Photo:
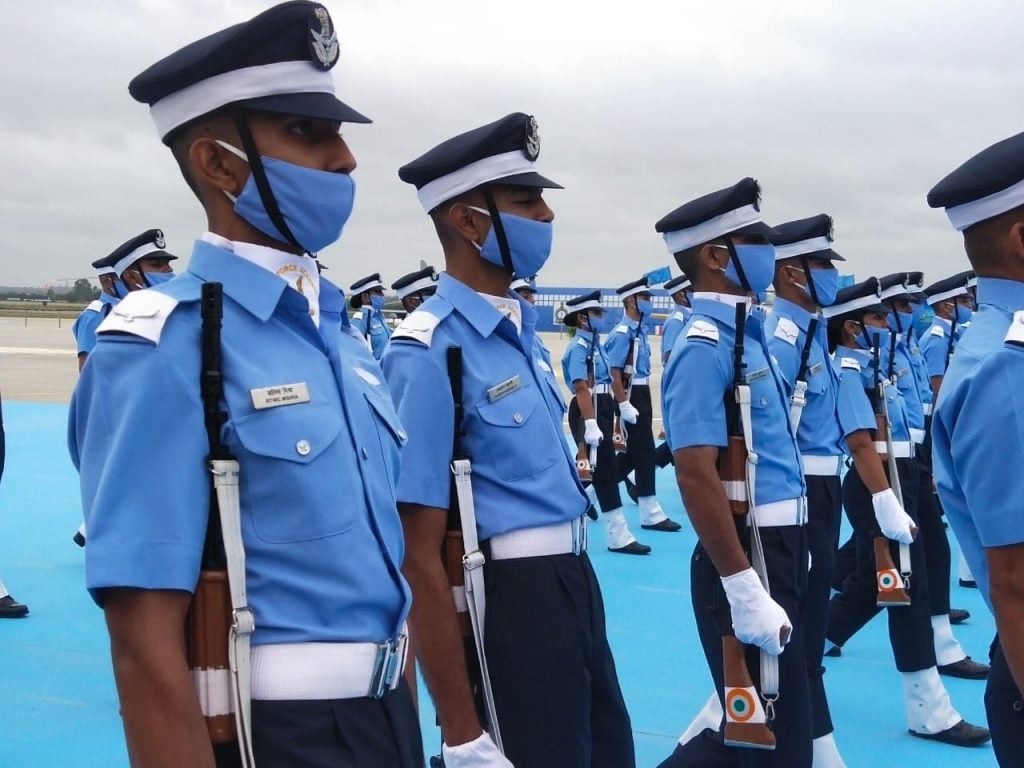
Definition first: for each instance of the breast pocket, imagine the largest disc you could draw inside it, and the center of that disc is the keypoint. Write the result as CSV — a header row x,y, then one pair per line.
x,y
290,462
762,388
517,435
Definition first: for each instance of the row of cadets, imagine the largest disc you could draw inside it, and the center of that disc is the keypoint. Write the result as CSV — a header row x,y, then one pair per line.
x,y
526,287
953,304
679,290
628,350
720,243
415,288
556,696
251,116
84,328
861,340
587,373
977,425
367,299
898,296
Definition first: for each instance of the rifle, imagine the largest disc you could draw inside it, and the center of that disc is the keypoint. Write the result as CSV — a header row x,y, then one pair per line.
x,y
798,400
218,623
892,588
586,456
619,432
463,560
746,723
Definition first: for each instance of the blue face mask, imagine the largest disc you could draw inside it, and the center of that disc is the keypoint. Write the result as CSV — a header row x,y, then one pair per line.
x,y
963,314
315,204
601,324
120,289
923,317
644,307
758,263
157,278
529,243
906,321
377,301
883,336
826,285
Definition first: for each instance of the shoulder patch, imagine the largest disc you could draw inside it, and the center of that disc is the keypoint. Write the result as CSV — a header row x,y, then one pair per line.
x,y
418,326
1015,333
583,343
621,329
140,313
787,330
848,364
937,330
702,329
95,306
357,315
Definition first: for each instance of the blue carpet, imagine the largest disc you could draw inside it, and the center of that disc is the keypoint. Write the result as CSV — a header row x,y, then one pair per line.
x,y
58,704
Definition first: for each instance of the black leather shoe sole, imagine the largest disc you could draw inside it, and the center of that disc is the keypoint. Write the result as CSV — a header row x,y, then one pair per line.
x,y
963,734
633,548
967,668
78,538
11,608
958,615
969,583
666,525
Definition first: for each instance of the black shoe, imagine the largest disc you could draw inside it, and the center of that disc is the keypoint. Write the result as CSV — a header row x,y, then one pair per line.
x,y
958,615
633,548
963,734
967,668
78,538
666,526
436,762
11,608
969,583
834,652
631,490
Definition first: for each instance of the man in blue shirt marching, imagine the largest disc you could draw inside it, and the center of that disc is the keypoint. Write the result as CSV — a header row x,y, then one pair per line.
x,y
368,302
679,291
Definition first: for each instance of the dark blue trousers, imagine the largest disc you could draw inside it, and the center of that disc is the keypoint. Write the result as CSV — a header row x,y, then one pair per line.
x,y
1004,707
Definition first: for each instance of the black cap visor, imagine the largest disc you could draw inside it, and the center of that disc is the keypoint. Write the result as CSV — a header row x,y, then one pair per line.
x,y
528,179
315,104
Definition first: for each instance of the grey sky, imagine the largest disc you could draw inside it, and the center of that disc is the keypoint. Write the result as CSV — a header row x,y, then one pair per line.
x,y
854,109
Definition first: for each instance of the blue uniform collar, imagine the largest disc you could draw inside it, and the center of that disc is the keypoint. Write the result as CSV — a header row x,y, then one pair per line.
x,y
629,322
721,311
584,334
480,313
794,312
1003,294
254,288
863,355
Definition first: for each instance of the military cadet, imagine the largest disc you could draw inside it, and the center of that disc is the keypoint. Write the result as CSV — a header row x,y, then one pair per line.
x,y
977,444
556,695
368,302
901,368
143,261
679,291
415,288
586,372
111,292
860,337
952,304
718,241
526,287
629,355
251,116
9,607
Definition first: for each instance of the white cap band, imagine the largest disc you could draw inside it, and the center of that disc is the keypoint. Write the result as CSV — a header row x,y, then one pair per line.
x,y
850,306
417,285
590,304
472,176
709,230
140,252
634,291
968,214
947,295
811,245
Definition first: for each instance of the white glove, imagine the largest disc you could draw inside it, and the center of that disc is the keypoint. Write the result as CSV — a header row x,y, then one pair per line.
x,y
479,753
756,618
592,434
628,413
895,523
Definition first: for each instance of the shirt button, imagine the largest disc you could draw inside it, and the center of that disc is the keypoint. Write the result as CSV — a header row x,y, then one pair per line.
x,y
302,448
764,401
518,418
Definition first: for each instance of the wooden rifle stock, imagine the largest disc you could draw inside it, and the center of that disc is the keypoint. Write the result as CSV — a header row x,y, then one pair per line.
x,y
891,590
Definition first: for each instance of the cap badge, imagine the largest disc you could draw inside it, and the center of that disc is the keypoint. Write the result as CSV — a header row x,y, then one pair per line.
x,y
757,196
159,241
532,145
830,234
324,44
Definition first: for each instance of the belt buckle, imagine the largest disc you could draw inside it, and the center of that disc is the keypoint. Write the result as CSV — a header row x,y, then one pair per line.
x,y
579,535
387,667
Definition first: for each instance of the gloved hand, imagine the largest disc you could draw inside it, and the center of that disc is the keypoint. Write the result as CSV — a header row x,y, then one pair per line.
x,y
479,753
628,413
895,523
592,434
756,618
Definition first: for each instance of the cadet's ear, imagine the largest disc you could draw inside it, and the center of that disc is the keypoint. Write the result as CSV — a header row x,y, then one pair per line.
x,y
1016,238
213,166
713,258
466,222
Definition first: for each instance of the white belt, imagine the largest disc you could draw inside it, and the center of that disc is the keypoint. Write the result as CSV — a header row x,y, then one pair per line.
x,y
559,539
927,408
312,671
602,389
917,435
901,449
827,466
639,380
780,513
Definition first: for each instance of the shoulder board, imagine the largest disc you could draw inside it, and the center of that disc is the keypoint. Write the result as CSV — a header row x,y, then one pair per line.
x,y
140,313
702,329
937,330
357,315
678,315
95,306
1015,333
583,343
849,364
418,326
787,330
621,329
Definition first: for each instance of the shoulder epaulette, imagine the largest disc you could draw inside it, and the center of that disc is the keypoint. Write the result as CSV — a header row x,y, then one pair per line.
x,y
787,330
938,330
417,326
848,364
583,343
1015,333
95,306
621,329
140,313
702,329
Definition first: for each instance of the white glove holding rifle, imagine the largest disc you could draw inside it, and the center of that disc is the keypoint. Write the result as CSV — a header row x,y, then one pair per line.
x,y
756,618
479,753
592,434
892,519
628,413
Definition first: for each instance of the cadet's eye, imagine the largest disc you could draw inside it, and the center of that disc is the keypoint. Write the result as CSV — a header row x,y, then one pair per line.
x,y
301,127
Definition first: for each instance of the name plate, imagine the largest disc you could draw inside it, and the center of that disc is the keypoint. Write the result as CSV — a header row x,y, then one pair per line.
x,y
281,394
506,387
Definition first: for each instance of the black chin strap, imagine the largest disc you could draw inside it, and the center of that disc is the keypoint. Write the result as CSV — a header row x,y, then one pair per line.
x,y
259,175
744,284
810,282
499,230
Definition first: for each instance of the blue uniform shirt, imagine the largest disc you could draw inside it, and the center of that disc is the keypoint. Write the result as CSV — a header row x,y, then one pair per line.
x,y
786,330
524,474
616,347
935,347
894,402
852,403
574,361
920,370
89,320
670,331
370,323
907,383
323,540
977,431
698,378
